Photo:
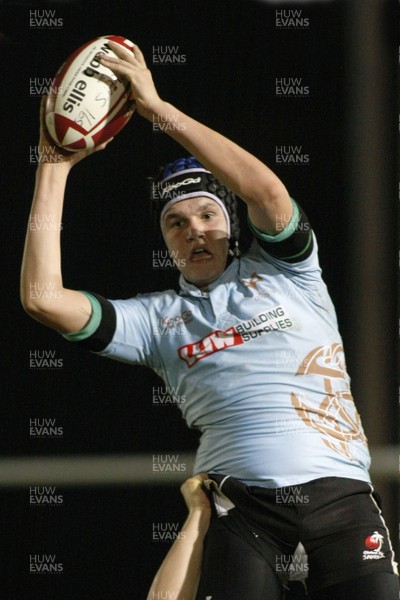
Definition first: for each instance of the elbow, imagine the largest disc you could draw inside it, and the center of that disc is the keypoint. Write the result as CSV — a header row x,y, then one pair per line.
x,y
270,193
26,301
31,307
37,307
44,313
275,192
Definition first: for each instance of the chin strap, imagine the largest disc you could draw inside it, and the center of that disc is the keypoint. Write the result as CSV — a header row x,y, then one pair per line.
x,y
235,251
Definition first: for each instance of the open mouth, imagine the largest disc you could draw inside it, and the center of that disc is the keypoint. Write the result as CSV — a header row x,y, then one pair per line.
x,y
200,254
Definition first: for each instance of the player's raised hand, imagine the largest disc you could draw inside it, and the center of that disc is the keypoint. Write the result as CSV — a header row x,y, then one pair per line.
x,y
132,65
50,153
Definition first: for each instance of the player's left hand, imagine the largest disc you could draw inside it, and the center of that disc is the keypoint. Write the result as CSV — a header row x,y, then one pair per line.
x,y
132,65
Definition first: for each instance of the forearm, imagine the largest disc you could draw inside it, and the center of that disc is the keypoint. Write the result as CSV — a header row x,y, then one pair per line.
x,y
179,573
268,201
42,292
41,263
239,170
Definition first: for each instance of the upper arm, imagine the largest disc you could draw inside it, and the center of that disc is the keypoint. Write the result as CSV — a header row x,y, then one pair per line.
x,y
100,329
61,309
119,329
272,211
293,243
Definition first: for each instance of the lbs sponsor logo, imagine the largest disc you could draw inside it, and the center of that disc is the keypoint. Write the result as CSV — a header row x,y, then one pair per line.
x,y
275,319
373,543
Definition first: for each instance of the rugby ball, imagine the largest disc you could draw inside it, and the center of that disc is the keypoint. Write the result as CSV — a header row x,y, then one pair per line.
x,y
88,104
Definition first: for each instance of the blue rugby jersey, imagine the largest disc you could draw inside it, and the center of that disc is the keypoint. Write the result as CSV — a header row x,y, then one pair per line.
x,y
259,362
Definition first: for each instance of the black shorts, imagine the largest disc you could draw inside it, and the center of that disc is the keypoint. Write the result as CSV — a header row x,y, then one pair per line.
x,y
337,520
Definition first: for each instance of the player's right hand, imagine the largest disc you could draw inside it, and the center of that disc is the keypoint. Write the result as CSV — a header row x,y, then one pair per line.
x,y
50,153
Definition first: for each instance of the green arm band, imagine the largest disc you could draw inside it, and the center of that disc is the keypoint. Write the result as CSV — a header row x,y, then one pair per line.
x,y
282,235
91,325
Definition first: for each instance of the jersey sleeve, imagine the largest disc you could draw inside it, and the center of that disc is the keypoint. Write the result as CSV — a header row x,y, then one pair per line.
x,y
295,243
119,329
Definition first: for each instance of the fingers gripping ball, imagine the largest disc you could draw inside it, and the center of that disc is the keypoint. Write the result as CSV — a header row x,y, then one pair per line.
x,y
89,104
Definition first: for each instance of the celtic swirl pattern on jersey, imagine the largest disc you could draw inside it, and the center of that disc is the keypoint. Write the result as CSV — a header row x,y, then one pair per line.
x,y
336,418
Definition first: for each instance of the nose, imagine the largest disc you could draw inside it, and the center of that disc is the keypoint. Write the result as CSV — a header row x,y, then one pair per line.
x,y
194,231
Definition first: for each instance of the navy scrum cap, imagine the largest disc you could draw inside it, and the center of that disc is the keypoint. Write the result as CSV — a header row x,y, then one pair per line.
x,y
186,178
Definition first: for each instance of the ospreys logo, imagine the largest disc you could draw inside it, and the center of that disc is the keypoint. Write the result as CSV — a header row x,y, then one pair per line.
x,y
374,544
336,418
251,282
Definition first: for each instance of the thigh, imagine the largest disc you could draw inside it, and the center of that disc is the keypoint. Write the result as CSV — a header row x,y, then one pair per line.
x,y
233,570
346,538
382,586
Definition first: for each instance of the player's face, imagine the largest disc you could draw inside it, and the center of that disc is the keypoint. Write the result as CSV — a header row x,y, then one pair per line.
x,y
195,231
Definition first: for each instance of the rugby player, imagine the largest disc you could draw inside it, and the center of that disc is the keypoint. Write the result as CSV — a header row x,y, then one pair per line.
x,y
259,358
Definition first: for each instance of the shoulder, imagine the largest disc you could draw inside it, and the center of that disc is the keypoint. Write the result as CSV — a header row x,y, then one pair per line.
x,y
259,255
149,300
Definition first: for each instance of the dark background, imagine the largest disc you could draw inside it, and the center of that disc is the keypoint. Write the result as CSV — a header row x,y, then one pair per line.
x,y
234,52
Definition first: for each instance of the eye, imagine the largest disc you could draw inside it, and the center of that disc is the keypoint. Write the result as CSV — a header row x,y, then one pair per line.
x,y
208,215
176,224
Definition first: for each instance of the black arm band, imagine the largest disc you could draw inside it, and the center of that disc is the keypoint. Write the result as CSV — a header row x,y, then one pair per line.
x,y
296,247
105,331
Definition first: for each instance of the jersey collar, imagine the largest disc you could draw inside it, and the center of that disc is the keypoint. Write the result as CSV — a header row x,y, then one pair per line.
x,y
190,289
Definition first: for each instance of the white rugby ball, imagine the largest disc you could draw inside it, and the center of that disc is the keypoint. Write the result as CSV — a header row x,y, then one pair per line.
x,y
88,103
